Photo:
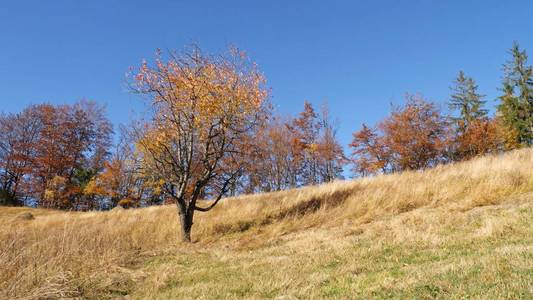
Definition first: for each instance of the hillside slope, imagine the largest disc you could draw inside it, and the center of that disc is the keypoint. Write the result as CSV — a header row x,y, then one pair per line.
x,y
456,231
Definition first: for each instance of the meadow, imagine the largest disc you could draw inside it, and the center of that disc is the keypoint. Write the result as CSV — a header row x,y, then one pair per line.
x,y
463,230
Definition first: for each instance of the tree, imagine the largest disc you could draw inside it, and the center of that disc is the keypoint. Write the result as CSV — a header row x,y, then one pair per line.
x,y
481,137
276,160
467,101
314,140
268,169
516,103
122,180
369,154
413,137
18,135
330,153
474,133
203,107
306,130
52,152
72,142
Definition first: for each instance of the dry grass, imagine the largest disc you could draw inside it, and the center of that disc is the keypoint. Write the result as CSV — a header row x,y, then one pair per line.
x,y
463,230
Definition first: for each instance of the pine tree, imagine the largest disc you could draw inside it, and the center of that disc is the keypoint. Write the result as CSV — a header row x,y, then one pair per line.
x,y
467,101
516,106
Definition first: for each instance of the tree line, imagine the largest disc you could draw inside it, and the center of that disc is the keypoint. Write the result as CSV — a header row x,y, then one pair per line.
x,y
211,131
418,135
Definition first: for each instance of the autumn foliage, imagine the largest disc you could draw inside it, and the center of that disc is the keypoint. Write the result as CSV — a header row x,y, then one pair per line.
x,y
204,110
418,136
211,131
289,152
49,153
413,137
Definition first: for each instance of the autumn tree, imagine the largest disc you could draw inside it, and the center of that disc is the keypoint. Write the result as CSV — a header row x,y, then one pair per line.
x,y
122,180
416,135
52,152
481,137
413,137
369,154
72,143
18,134
306,129
516,103
314,140
330,153
275,162
203,107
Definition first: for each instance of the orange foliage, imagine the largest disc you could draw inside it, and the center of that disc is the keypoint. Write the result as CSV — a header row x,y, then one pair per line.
x,y
480,137
369,152
413,137
203,108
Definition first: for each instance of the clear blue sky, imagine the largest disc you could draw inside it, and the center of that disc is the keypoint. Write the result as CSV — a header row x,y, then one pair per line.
x,y
360,56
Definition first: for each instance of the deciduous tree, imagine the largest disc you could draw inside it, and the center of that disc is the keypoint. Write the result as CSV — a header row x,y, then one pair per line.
x,y
72,142
416,135
330,153
481,137
122,180
203,106
369,154
18,135
413,137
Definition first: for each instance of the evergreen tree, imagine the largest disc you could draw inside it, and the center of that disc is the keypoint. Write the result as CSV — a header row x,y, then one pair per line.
x,y
516,103
467,101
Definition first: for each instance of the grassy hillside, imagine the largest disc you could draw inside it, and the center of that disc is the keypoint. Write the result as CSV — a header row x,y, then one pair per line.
x,y
456,231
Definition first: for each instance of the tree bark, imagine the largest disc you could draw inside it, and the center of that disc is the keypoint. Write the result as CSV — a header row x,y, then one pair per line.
x,y
186,218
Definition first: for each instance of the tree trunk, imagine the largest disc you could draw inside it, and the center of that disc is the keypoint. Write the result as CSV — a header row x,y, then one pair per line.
x,y
186,224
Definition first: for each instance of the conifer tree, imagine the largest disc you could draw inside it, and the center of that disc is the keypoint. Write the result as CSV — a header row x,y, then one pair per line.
x,y
474,132
516,106
467,101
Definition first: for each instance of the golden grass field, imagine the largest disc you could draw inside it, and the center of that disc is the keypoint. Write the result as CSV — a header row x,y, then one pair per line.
x,y
456,231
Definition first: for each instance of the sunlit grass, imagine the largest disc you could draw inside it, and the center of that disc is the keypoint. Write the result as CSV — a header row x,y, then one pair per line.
x,y
457,231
